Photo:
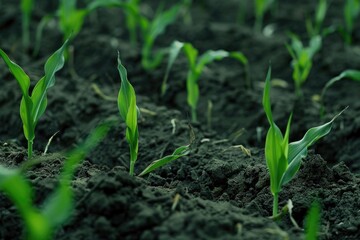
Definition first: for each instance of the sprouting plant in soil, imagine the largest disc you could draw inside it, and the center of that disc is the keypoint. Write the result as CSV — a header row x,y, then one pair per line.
x,y
129,114
196,66
351,13
41,223
302,58
33,105
283,158
71,18
347,74
312,222
150,30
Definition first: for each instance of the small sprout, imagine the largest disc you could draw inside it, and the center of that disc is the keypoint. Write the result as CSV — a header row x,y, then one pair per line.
x,y
261,7
129,114
351,13
313,222
196,67
315,28
41,224
33,105
302,59
283,158
347,74
26,9
150,31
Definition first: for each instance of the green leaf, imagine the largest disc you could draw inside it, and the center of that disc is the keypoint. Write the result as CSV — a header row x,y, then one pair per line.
x,y
209,57
128,112
266,98
312,222
21,77
174,51
21,194
298,149
104,3
179,152
350,74
39,95
275,145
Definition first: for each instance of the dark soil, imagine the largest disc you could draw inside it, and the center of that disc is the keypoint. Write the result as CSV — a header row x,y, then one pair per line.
x,y
217,191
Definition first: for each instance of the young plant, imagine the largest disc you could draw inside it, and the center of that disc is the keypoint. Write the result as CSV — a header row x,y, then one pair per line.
x,y
41,224
283,158
71,18
151,30
351,13
129,112
26,9
347,74
315,28
33,105
302,59
196,67
312,222
261,7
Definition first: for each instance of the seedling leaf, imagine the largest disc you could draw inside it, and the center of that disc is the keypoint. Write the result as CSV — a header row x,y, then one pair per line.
x,y
179,152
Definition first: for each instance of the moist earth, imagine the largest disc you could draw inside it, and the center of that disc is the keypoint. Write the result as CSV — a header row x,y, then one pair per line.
x,y
218,191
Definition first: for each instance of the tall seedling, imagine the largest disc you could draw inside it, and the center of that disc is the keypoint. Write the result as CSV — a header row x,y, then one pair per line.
x,y
283,158
302,58
128,113
196,66
33,105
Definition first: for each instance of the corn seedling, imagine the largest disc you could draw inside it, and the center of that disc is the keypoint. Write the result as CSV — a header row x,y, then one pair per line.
x,y
347,74
128,113
151,30
315,28
351,13
71,18
261,7
26,9
41,224
302,59
196,67
283,158
312,222
33,105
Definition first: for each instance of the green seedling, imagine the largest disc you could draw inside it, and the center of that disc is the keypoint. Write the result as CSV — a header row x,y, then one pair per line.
x,y
71,18
261,7
347,74
129,114
351,13
26,9
196,67
314,28
302,59
150,31
42,223
33,105
312,222
283,158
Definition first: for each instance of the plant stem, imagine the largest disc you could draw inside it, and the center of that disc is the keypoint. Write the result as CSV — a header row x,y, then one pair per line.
x,y
30,149
193,115
275,204
25,31
132,166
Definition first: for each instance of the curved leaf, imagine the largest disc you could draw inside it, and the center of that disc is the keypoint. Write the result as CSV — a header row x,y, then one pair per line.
x,y
179,152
